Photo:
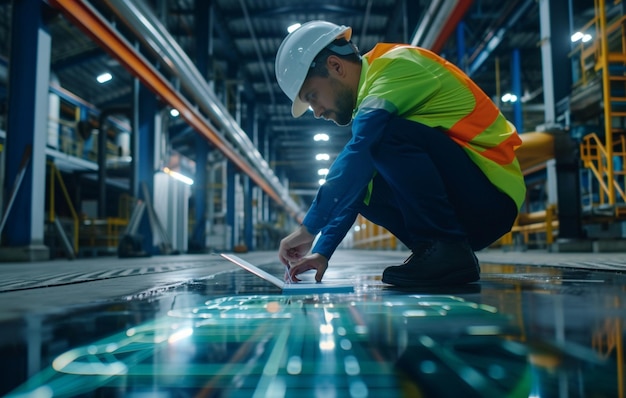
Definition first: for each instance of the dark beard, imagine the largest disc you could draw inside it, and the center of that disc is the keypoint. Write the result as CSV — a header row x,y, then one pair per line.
x,y
344,104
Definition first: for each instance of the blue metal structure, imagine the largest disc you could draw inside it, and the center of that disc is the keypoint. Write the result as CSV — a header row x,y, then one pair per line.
x,y
27,122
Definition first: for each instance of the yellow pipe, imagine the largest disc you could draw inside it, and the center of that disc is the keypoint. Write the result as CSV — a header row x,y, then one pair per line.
x,y
536,148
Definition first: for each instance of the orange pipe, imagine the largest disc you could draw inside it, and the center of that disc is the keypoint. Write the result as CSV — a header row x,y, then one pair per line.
x,y
99,30
451,24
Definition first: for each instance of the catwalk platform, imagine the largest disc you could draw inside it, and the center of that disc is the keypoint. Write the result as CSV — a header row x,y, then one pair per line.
x,y
537,324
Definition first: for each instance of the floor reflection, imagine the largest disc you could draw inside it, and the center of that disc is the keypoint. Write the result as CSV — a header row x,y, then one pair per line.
x,y
523,331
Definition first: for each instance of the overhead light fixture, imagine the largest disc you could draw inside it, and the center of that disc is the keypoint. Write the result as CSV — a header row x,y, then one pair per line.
x,y
508,97
321,137
322,172
322,156
580,36
293,27
321,181
177,176
105,77
174,112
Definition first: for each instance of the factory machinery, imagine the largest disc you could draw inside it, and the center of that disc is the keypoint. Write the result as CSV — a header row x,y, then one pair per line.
x,y
575,176
574,172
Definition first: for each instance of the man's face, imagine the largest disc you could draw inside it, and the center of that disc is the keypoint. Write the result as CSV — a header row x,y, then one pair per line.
x,y
330,99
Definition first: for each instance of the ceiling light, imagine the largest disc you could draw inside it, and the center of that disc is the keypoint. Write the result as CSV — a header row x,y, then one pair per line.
x,y
321,137
322,156
576,36
584,37
508,97
293,27
322,172
105,77
321,181
174,112
176,175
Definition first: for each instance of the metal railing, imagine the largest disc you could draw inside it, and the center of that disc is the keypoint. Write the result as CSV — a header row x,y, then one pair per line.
x,y
605,58
55,176
595,157
371,236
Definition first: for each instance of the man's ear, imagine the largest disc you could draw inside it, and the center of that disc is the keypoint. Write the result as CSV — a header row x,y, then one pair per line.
x,y
335,65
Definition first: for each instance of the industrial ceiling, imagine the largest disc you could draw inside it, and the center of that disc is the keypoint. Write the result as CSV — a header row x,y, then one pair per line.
x,y
232,44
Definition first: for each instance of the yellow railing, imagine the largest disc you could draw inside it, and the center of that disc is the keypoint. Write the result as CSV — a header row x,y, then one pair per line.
x,y
595,57
103,234
595,158
607,341
55,175
528,224
371,236
95,233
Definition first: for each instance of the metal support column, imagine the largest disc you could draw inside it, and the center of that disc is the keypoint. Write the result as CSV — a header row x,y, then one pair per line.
x,y
516,77
248,185
555,45
144,156
102,153
248,221
198,237
567,156
203,30
263,146
231,209
27,125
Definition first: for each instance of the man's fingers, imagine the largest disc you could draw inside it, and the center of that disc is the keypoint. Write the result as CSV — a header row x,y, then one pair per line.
x,y
283,260
292,275
300,267
320,274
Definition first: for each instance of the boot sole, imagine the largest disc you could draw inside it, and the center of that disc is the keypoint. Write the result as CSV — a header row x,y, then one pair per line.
x,y
461,277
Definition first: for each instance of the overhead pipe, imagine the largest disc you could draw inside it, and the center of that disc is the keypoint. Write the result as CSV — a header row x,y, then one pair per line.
x,y
454,18
149,29
92,23
493,39
257,49
439,21
366,19
426,22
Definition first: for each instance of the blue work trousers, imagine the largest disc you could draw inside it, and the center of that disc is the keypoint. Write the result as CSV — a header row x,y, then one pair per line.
x,y
427,188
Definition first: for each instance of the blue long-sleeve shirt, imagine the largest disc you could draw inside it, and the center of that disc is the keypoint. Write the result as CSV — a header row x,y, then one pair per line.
x,y
335,207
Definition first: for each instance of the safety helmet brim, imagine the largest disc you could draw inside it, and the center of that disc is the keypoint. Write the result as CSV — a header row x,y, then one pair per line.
x,y
299,107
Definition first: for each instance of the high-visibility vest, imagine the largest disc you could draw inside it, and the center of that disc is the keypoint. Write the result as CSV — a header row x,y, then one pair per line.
x,y
421,86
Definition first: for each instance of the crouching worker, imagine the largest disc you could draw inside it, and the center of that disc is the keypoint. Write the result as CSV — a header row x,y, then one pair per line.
x,y
431,158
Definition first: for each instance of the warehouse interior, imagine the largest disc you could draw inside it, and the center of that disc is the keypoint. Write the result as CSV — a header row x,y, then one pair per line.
x,y
139,139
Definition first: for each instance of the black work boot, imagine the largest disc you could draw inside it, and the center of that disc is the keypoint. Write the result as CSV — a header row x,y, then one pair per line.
x,y
436,263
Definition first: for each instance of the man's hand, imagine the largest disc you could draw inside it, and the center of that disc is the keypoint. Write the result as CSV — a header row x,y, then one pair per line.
x,y
295,246
313,261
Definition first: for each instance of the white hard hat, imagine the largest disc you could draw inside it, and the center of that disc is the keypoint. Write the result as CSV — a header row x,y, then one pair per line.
x,y
297,52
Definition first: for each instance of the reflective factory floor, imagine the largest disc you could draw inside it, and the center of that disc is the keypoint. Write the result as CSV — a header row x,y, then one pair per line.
x,y
537,324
